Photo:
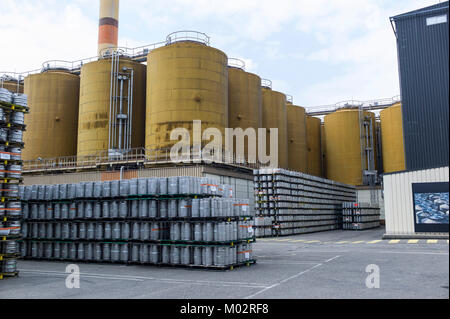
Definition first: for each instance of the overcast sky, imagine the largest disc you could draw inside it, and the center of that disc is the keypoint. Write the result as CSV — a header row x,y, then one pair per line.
x,y
319,51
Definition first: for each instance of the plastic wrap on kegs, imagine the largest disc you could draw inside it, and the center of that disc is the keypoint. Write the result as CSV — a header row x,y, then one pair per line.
x,y
186,232
90,231
65,231
20,99
135,231
99,235
105,210
152,186
97,189
145,231
183,208
175,231
163,184
152,208
133,187
208,256
49,212
198,256
64,251
173,185
154,254
56,251
106,255
106,189
123,209
142,186
88,189
55,192
82,231
64,211
163,209
97,252
79,190
63,188
15,153
173,208
198,232
71,191
115,252
114,209
108,231
124,253
73,251
195,208
125,231
89,251
134,208
124,188
5,95
175,255
144,256
186,255
115,188
80,251
143,208
57,231
135,253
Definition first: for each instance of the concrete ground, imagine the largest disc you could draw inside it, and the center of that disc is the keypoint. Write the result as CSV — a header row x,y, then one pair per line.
x,y
322,265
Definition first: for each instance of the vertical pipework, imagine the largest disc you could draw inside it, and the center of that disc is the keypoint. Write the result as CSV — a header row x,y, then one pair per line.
x,y
108,32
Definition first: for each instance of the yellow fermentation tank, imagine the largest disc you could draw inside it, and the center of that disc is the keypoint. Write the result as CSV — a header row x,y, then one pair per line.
x,y
313,142
244,105
324,147
297,148
94,129
187,81
350,145
392,139
11,86
274,115
53,120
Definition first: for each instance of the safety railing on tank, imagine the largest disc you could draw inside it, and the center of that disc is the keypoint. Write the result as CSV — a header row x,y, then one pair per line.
x,y
266,83
236,63
289,98
133,156
187,35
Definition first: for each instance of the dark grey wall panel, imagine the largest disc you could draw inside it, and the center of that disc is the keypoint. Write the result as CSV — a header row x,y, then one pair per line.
x,y
423,52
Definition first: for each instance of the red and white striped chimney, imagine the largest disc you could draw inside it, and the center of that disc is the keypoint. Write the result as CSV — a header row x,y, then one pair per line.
x,y
108,30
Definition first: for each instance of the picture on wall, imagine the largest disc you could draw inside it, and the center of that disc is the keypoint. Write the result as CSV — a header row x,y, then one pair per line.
x,y
431,207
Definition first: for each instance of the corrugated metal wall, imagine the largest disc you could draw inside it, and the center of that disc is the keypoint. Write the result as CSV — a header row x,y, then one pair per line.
x,y
423,52
398,198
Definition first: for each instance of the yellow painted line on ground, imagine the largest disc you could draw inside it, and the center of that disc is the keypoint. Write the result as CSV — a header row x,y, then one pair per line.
x,y
374,241
312,241
432,241
298,241
283,240
358,242
342,242
394,241
413,241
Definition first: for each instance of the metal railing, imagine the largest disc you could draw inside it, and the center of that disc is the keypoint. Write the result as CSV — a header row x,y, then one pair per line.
x,y
188,35
289,99
133,157
266,83
236,63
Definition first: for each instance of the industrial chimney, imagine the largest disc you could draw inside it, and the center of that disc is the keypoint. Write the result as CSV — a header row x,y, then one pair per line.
x,y
108,31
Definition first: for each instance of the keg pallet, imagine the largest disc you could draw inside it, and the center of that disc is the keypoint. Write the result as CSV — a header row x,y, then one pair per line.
x,y
9,275
14,107
8,199
247,263
10,238
9,256
122,198
8,180
13,126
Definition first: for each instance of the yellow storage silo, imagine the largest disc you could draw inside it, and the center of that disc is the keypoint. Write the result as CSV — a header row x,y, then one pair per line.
x,y
297,146
187,81
313,142
274,115
53,120
12,86
324,147
392,139
244,105
350,145
95,134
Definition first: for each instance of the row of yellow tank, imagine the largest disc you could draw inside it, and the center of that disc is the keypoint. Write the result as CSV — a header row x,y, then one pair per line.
x,y
182,82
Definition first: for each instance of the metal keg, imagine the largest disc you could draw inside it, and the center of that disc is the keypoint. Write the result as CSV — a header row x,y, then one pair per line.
x,y
73,251
108,228
198,256
165,255
74,231
9,266
48,250
88,189
172,185
163,209
64,211
2,115
135,253
89,251
175,255
90,231
155,231
175,231
198,232
15,226
57,230
80,210
65,231
57,211
106,252
79,190
143,208
5,95
48,192
208,256
15,136
163,187
11,247
24,249
183,208
115,188
114,209
14,209
97,211
97,252
49,231
133,187
63,189
3,134
124,253
152,186
154,254
144,256
124,188
135,231
14,171
115,252
123,209
64,251
195,209
88,210
71,191
116,231
20,99
153,208
105,210
186,256
145,231
25,230
73,211
125,231
173,208
82,231
56,251
106,189
55,192
134,208
142,186
49,212
186,232
10,190
97,189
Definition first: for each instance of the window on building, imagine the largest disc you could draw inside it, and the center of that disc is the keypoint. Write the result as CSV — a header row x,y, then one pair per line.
x,y
437,20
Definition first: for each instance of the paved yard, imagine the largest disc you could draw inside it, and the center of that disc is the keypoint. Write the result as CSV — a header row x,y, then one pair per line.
x,y
322,265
